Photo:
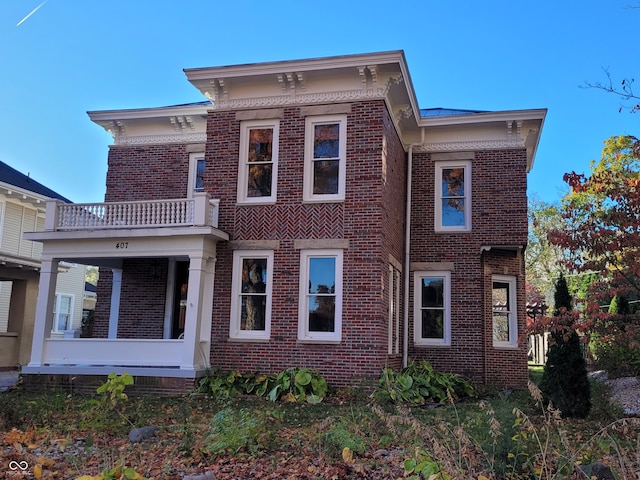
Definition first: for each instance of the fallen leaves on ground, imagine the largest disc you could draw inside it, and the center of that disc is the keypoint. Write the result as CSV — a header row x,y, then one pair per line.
x,y
70,458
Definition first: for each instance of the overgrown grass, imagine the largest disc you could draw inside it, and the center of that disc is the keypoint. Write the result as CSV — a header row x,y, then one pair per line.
x,y
503,435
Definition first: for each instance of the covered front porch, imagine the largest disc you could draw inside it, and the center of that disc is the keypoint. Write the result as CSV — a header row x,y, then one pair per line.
x,y
149,252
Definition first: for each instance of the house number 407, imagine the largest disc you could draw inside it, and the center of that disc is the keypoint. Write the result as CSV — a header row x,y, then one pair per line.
x,y
122,245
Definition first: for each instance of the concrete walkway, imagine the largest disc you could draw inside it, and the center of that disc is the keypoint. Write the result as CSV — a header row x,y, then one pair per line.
x,y
8,380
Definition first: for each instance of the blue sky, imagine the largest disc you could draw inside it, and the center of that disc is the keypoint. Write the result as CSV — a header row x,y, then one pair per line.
x,y
74,56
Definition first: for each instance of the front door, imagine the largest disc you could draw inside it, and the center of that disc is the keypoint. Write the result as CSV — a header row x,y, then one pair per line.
x,y
180,296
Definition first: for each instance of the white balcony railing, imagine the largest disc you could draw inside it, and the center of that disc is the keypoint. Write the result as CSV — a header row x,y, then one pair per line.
x,y
200,211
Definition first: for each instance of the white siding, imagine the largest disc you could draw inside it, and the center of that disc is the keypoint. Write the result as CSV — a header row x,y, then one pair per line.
x,y
5,297
17,220
72,283
11,231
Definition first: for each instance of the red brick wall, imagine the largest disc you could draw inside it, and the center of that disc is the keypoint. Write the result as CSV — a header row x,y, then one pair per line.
x,y
361,218
147,172
499,217
504,366
87,384
142,300
394,170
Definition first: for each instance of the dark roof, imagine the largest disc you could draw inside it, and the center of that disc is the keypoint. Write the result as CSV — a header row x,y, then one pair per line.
x,y
443,112
13,177
90,287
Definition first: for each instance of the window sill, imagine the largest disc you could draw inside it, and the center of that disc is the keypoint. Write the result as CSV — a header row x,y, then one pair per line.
x,y
309,341
506,347
8,334
432,345
255,203
247,340
445,231
323,200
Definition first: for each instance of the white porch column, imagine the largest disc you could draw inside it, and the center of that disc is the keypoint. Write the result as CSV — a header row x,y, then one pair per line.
x,y
199,308
44,309
114,310
207,312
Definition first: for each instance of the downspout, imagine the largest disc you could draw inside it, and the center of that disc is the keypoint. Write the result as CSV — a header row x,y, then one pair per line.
x,y
407,251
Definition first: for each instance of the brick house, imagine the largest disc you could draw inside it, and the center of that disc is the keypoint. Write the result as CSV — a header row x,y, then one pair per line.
x,y
308,213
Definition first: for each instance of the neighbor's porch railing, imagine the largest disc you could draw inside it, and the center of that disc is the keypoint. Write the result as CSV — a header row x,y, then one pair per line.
x,y
198,211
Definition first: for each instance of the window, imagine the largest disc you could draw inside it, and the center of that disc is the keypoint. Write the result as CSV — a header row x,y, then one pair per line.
x,y
432,308
197,165
62,311
257,173
504,312
320,315
453,196
251,294
394,310
325,158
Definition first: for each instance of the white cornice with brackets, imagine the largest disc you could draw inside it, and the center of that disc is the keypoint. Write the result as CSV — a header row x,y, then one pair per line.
x,y
145,126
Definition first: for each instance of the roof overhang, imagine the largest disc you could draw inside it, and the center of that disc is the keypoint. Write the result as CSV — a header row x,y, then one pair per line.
x,y
11,192
509,129
174,124
346,78
339,79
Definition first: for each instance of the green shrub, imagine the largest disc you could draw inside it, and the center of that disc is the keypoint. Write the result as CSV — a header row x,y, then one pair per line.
x,y
615,345
339,437
420,383
565,382
292,385
298,385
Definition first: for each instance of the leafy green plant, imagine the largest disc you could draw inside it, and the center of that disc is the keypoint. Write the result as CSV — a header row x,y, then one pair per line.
x,y
224,384
422,465
118,472
113,388
232,431
292,385
298,385
419,383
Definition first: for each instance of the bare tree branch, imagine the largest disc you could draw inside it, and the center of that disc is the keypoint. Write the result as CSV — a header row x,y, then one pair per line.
x,y
624,90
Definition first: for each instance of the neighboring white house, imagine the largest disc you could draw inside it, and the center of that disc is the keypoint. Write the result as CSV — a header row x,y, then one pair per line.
x,y
22,209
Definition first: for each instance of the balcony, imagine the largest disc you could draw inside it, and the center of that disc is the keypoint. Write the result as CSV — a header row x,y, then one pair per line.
x,y
185,212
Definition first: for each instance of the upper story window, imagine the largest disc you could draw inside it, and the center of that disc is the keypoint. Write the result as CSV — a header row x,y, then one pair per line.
x,y
320,296
325,158
432,308
251,294
504,312
258,165
197,164
453,196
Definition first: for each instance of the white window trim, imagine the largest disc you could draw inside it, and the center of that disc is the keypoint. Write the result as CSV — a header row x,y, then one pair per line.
x,y
513,316
304,335
310,122
235,332
394,311
56,310
466,164
243,166
193,164
417,310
